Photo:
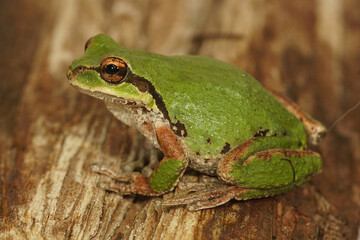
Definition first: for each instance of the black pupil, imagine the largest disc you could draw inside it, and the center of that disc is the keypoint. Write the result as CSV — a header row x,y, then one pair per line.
x,y
111,69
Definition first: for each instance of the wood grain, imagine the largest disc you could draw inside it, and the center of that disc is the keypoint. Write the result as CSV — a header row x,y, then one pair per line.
x,y
50,134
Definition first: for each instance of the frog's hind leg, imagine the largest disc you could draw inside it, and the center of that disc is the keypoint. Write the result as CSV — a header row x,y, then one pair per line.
x,y
273,168
269,172
263,174
164,177
314,129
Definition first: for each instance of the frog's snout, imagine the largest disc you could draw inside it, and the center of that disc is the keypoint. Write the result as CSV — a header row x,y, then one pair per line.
x,y
69,75
72,73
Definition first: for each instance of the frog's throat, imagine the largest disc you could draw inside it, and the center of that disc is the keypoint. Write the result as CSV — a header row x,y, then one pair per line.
x,y
142,84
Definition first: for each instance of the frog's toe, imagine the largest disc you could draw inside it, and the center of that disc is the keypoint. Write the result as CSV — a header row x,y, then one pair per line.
x,y
201,184
101,170
131,184
125,184
208,198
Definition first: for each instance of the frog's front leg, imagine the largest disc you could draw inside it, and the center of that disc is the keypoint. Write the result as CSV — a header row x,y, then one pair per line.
x,y
164,177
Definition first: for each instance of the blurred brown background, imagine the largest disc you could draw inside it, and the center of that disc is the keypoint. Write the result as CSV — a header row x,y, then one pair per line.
x,y
50,134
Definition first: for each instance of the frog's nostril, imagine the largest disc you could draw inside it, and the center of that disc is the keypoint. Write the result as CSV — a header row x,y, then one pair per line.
x,y
68,75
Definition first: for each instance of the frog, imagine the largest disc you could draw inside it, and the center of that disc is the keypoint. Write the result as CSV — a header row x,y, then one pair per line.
x,y
205,115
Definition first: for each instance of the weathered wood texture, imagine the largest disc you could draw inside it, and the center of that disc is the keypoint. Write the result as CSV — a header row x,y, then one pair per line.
x,y
50,134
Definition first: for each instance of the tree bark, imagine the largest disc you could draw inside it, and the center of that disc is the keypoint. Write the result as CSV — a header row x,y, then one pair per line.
x,y
50,134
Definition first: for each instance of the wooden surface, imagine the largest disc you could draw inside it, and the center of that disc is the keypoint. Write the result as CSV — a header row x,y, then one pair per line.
x,y
50,134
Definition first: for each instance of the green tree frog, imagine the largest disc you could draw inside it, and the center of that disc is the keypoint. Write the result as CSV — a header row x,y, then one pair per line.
x,y
204,114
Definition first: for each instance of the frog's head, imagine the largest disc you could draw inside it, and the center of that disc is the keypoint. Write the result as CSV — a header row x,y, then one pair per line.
x,y
104,71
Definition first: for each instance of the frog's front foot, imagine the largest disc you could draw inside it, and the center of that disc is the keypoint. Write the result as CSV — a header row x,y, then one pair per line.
x,y
165,175
126,184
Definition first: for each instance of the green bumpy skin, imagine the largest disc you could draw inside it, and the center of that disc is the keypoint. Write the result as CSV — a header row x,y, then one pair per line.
x,y
166,175
278,174
241,109
278,171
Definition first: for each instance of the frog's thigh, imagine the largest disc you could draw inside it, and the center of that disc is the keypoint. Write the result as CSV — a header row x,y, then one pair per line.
x,y
274,170
249,147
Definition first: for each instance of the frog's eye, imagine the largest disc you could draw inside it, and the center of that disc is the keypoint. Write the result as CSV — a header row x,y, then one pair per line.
x,y
113,69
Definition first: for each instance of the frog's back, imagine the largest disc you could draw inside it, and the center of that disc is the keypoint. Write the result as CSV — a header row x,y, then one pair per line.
x,y
219,104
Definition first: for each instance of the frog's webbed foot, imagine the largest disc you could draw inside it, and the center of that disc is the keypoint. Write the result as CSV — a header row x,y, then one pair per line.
x,y
219,194
130,182
205,198
142,157
164,177
200,196
125,184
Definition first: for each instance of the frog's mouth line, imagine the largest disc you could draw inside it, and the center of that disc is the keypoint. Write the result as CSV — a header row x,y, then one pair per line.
x,y
109,98
96,94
